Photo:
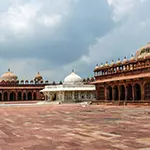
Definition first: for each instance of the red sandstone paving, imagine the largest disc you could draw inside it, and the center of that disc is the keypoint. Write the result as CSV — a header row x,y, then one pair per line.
x,y
73,127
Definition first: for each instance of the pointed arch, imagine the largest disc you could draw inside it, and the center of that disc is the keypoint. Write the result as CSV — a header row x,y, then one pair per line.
x,y
12,96
19,96
147,91
34,96
109,93
5,96
24,96
137,92
129,92
29,96
122,92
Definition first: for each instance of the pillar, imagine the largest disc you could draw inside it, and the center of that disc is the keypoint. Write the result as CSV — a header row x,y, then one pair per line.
x,y
118,93
126,93
113,94
133,93
105,93
142,92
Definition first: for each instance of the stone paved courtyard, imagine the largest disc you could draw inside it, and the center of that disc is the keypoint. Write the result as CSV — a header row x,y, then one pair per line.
x,y
74,127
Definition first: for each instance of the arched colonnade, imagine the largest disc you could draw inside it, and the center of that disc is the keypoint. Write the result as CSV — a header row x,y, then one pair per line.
x,y
20,95
130,92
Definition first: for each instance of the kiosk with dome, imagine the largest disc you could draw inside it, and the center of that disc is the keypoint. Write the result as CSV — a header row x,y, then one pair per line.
x,y
72,90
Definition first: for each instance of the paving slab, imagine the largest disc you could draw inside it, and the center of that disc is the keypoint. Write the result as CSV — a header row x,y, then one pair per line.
x,y
74,127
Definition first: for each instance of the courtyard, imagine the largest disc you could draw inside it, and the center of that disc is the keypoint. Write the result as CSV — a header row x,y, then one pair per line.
x,y
74,127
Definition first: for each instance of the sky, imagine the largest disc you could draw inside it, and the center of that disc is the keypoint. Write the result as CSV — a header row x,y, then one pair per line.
x,y
55,36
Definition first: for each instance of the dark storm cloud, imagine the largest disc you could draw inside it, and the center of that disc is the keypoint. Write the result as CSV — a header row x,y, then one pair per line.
x,y
86,21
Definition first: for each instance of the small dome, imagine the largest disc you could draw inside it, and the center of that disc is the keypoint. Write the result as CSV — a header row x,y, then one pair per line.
x,y
112,63
143,51
140,57
118,61
38,77
73,78
9,76
106,65
96,67
125,60
132,58
147,56
101,66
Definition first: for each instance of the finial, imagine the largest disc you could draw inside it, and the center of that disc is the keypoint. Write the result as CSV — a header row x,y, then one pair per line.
x,y
124,57
118,58
72,70
131,55
112,60
38,72
8,69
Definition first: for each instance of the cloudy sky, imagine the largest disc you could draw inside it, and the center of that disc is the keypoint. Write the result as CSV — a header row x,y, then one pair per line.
x,y
54,36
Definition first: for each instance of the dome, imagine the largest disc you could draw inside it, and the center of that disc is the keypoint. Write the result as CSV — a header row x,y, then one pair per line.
x,y
106,65
140,57
112,63
125,60
96,67
9,76
132,58
38,77
73,78
118,62
147,56
101,66
143,51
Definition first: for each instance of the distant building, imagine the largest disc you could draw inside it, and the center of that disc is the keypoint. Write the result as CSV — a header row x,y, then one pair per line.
x,y
73,89
11,89
127,80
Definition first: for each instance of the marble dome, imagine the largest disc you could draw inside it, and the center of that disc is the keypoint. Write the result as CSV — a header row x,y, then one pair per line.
x,y
73,78
143,51
8,76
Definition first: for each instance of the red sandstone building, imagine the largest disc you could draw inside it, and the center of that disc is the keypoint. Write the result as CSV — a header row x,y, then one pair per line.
x,y
12,89
127,80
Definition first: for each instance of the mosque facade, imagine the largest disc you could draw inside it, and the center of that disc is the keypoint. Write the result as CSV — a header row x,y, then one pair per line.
x,y
12,89
127,80
73,89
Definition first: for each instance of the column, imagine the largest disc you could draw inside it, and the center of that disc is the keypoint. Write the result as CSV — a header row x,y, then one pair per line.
x,y
105,93
118,93
113,94
126,93
142,92
133,93
73,96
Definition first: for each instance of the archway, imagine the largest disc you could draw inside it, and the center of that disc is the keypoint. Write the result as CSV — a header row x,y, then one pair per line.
x,y
137,92
19,96
147,91
0,96
109,93
129,92
24,96
116,93
29,96
12,96
122,92
34,96
5,96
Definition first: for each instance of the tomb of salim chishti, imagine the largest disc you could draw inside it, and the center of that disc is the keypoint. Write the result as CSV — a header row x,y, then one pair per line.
x,y
73,89
12,89
127,80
